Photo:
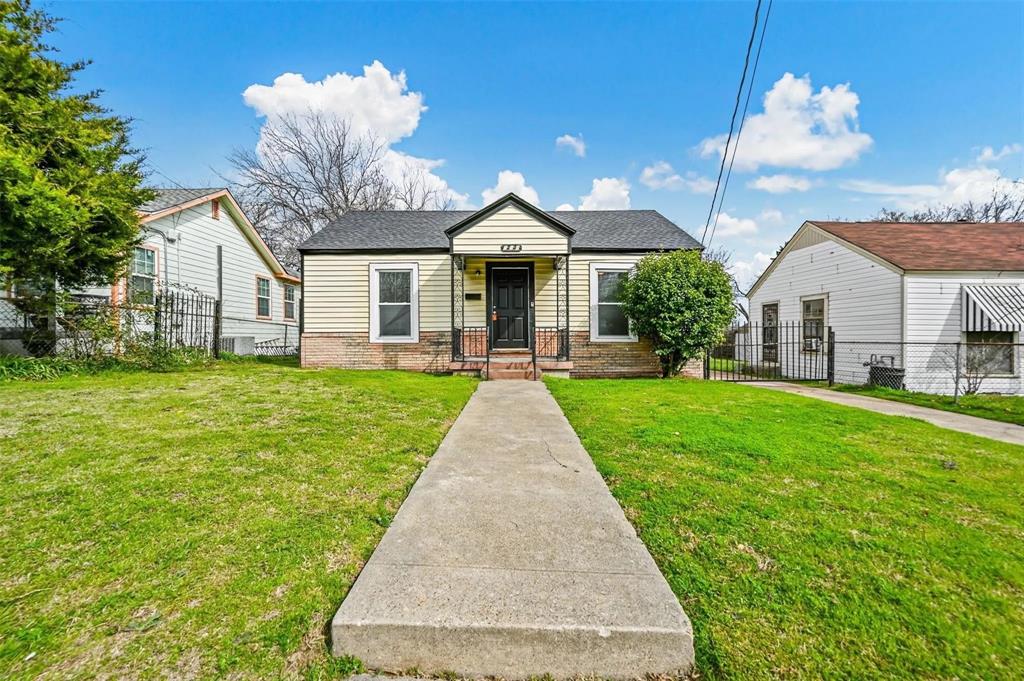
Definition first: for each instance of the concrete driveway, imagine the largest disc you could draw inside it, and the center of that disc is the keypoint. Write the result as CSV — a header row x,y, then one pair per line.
x,y
510,558
995,430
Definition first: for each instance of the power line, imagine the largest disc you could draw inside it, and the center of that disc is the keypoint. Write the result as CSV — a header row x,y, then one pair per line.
x,y
732,122
743,118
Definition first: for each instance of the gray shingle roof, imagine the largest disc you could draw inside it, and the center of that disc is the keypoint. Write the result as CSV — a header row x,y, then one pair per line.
x,y
169,198
624,230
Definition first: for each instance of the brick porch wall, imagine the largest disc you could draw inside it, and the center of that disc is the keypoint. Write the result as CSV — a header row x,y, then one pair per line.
x,y
355,351
611,359
433,353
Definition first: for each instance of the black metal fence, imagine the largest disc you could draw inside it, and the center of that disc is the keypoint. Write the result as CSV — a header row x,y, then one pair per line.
x,y
779,352
92,326
187,319
803,352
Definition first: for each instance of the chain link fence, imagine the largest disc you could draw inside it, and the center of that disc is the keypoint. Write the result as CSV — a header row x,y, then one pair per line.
x,y
938,368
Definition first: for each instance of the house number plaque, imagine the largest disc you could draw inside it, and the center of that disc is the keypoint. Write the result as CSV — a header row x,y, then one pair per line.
x,y
511,248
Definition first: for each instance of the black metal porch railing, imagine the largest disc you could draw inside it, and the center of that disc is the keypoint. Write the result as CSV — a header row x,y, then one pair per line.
x,y
552,342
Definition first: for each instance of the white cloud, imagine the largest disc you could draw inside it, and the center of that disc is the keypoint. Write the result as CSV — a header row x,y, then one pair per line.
x,y
566,206
798,129
576,144
377,103
511,182
956,186
606,193
746,272
661,175
780,184
988,154
771,215
730,226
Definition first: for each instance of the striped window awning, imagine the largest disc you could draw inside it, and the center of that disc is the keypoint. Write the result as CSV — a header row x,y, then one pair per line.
x,y
993,308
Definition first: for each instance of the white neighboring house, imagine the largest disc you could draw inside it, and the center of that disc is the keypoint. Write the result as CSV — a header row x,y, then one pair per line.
x,y
200,239
904,293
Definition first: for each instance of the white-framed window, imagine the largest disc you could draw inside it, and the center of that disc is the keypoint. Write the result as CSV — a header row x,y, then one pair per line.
x,y
813,311
394,302
990,353
607,321
142,285
263,309
289,302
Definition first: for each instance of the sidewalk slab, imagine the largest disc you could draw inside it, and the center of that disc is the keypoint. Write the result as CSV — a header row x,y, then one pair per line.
x,y
510,558
995,430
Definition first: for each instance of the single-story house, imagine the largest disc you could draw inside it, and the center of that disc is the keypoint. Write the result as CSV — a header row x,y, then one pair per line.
x,y
201,240
909,295
443,291
196,242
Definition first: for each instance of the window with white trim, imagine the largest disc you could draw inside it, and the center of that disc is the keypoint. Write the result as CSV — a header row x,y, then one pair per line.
x,y
143,282
607,320
813,323
262,297
394,303
989,353
289,302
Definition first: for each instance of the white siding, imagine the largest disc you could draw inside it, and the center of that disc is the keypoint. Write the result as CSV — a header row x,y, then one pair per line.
x,y
864,298
191,260
510,225
933,316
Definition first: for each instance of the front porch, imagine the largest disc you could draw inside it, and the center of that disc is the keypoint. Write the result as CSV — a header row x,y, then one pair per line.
x,y
510,315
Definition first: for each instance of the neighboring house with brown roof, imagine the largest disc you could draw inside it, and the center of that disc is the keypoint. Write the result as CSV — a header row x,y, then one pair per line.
x,y
199,239
909,291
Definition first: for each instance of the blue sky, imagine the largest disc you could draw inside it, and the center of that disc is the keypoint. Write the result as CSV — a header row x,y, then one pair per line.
x,y
913,94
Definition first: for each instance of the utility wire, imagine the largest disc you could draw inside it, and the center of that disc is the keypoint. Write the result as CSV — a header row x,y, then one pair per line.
x,y
732,122
743,118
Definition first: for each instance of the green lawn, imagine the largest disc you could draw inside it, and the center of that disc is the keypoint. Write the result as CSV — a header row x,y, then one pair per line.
x,y
811,540
1008,408
200,523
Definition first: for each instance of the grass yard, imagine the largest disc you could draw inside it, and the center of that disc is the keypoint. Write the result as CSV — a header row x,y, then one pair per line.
x,y
1008,408
200,523
811,540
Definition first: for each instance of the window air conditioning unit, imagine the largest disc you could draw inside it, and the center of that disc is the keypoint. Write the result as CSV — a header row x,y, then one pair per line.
x,y
812,344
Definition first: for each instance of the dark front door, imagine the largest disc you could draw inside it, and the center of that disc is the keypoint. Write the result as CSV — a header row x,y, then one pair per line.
x,y
510,307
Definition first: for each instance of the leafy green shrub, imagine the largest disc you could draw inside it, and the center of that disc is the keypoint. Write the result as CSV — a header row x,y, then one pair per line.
x,y
681,302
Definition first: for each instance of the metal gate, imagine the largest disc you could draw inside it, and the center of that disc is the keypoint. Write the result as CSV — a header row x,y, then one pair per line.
x,y
791,351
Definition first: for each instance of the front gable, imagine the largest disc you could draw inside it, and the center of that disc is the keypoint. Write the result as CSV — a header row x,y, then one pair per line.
x,y
510,227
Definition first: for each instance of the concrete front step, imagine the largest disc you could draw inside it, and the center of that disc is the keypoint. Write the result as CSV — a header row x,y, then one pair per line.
x,y
512,374
511,559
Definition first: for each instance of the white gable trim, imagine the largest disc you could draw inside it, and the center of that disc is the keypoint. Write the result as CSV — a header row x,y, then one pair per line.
x,y
242,222
793,244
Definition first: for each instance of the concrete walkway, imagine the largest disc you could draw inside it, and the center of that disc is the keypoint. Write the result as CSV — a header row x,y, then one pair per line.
x,y
510,558
995,430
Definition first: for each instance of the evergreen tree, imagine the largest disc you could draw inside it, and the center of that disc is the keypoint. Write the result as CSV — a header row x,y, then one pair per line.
x,y
69,180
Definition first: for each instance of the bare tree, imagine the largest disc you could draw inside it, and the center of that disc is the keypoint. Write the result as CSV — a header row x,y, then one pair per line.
x,y
1004,206
308,170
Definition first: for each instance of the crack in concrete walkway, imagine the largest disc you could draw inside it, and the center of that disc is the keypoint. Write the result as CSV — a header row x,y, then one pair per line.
x,y
510,558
